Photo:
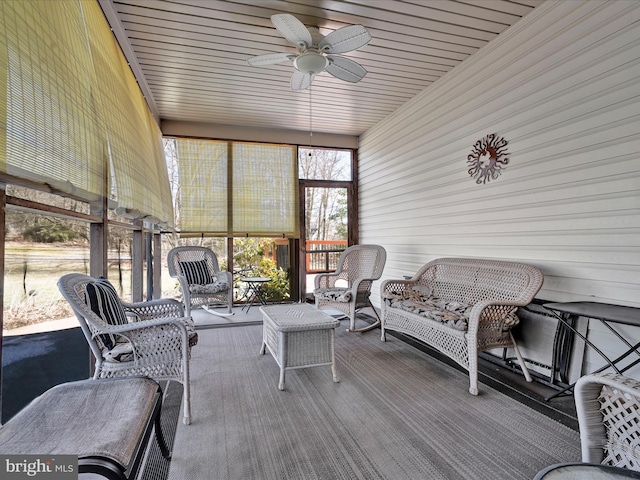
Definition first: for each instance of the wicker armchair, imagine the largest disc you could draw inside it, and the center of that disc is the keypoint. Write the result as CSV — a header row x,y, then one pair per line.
x,y
201,282
151,339
608,408
349,287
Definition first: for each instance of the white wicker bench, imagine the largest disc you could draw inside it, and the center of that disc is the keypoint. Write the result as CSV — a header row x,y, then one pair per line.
x,y
461,307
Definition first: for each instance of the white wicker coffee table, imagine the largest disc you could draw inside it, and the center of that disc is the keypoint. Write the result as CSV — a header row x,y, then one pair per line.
x,y
299,336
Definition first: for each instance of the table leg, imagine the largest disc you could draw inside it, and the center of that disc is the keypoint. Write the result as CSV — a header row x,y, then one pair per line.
x,y
254,295
258,295
251,296
611,364
334,370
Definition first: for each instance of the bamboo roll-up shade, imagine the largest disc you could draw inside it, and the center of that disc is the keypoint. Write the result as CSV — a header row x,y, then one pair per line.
x,y
140,184
160,167
237,189
202,195
53,132
3,95
265,190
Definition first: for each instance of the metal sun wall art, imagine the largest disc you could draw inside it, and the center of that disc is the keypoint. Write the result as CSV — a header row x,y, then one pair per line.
x,y
488,156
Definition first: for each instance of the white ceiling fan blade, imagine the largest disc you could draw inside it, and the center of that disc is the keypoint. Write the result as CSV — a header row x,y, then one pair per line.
x,y
345,69
301,81
345,39
292,29
270,59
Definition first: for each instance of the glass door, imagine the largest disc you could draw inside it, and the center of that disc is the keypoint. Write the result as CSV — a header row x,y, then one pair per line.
x,y
328,211
326,230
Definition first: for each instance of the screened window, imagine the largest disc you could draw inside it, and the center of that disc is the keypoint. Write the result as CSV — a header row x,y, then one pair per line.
x,y
324,164
72,117
53,131
235,189
139,187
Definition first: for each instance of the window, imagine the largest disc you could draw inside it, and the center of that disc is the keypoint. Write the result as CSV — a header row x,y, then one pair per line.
x,y
234,189
324,164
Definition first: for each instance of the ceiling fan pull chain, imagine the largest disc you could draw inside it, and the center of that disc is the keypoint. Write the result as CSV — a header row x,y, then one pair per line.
x,y
310,124
310,117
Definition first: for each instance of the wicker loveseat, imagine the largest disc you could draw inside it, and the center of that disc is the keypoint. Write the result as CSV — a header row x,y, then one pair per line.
x,y
461,307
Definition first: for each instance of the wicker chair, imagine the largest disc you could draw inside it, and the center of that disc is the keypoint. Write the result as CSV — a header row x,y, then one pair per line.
x,y
608,408
201,282
151,339
349,287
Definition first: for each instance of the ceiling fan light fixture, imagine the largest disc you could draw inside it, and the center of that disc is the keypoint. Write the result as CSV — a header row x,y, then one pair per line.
x,y
310,62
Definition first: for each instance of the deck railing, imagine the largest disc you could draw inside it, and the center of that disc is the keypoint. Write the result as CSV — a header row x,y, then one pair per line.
x,y
323,255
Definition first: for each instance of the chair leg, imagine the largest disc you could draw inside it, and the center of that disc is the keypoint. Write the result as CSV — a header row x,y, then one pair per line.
x,y
525,371
186,398
187,407
375,324
473,369
160,438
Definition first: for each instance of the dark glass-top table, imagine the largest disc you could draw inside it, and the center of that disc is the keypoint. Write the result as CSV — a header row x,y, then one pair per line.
x,y
606,313
254,291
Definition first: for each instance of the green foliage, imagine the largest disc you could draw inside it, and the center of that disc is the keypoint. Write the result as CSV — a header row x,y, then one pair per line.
x,y
49,233
249,258
247,252
278,287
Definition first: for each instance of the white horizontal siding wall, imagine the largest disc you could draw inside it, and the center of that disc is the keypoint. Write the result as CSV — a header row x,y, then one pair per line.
x,y
563,88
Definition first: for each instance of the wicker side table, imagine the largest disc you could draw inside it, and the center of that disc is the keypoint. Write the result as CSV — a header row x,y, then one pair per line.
x,y
299,336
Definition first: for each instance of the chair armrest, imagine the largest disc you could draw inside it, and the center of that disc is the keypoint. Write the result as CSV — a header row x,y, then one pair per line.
x,y
220,276
356,285
141,325
326,280
394,287
490,311
226,277
160,308
184,285
608,407
149,336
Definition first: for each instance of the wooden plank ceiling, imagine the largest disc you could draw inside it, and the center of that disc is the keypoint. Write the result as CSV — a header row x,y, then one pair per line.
x,y
190,56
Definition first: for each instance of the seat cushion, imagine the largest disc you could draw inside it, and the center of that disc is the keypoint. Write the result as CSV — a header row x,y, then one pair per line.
x,y
103,300
197,272
341,295
455,314
90,418
211,288
121,352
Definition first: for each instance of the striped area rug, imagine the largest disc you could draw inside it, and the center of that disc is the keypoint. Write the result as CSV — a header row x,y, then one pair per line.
x,y
396,414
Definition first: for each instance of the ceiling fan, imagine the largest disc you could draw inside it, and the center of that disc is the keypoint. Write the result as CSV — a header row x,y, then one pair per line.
x,y
316,53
